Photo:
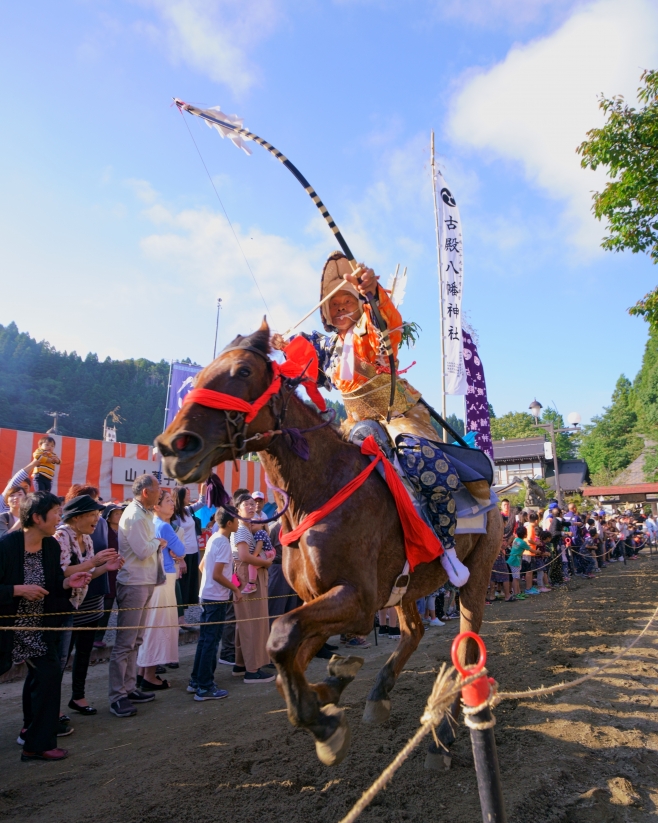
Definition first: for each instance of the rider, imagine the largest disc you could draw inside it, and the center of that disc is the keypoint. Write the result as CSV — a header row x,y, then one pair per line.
x,y
353,360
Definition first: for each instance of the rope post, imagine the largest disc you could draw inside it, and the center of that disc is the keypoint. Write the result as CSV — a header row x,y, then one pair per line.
x,y
476,698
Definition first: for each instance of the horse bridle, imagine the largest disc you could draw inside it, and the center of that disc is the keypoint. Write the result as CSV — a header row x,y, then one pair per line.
x,y
236,421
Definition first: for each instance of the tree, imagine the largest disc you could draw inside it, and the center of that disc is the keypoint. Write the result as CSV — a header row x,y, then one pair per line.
x,y
565,443
514,425
456,423
610,443
628,146
35,377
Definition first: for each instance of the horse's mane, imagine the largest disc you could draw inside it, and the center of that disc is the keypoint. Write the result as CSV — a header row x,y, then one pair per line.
x,y
260,340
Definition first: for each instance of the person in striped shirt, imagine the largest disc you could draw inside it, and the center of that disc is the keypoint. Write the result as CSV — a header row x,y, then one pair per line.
x,y
44,471
20,479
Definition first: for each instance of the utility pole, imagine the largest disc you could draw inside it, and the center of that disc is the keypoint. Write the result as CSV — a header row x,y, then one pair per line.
x,y
536,407
55,415
219,306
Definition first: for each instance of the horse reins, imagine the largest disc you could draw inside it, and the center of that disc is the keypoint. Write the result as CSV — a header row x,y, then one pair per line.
x,y
240,413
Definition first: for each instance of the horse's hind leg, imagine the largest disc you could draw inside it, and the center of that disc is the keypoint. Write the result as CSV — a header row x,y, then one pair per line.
x,y
294,640
378,704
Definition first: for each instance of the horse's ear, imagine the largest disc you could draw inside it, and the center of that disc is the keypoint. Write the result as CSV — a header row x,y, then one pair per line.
x,y
264,326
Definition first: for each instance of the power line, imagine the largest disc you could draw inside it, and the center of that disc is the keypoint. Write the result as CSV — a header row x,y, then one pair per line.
x,y
228,220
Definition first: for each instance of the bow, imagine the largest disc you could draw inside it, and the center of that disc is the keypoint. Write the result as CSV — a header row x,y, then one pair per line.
x,y
231,126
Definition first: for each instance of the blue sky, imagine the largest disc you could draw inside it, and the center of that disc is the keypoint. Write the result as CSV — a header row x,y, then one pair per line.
x,y
112,239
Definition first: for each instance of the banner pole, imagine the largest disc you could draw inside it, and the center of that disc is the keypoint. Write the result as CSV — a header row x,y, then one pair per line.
x,y
440,265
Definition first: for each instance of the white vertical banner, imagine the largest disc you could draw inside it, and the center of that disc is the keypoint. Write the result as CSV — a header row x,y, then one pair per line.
x,y
452,274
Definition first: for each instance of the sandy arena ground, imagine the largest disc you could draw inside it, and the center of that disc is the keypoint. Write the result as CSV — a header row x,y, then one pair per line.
x,y
588,755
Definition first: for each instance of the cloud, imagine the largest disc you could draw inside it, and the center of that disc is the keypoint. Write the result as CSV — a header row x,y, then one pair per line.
x,y
142,190
214,37
200,260
536,106
507,13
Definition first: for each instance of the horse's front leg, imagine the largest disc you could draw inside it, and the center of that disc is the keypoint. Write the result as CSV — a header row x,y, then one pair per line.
x,y
378,704
295,638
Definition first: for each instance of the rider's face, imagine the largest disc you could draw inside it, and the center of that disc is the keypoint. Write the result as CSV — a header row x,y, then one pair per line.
x,y
345,310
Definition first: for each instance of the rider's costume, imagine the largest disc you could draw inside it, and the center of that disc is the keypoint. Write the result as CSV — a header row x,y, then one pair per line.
x,y
356,364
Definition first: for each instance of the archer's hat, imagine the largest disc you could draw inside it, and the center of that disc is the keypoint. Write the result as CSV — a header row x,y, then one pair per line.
x,y
335,268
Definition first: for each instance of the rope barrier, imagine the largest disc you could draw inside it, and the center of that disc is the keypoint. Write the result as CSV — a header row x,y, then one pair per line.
x,y
448,685
149,608
118,628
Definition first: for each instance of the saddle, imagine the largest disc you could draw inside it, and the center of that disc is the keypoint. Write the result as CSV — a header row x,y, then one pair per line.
x,y
472,497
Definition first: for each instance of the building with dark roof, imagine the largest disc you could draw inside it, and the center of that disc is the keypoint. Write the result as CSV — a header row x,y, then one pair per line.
x,y
522,457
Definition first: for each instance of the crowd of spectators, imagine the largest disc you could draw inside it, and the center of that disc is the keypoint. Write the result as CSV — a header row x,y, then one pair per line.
x,y
545,548
66,563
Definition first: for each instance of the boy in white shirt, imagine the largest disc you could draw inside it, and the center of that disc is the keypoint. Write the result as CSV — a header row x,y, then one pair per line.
x,y
214,596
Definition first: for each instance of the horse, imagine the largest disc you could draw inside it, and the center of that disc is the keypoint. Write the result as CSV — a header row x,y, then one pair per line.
x,y
345,566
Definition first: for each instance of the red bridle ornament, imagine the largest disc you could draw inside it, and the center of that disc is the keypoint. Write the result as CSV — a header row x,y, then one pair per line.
x,y
301,359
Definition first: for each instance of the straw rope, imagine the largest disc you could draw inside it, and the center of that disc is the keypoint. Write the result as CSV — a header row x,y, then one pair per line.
x,y
448,685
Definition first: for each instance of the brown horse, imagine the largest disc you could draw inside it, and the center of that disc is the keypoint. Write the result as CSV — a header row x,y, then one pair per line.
x,y
344,567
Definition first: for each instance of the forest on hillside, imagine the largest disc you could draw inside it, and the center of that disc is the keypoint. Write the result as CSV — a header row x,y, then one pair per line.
x,y
35,378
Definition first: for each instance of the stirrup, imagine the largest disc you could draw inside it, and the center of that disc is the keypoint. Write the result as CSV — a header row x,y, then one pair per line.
x,y
399,587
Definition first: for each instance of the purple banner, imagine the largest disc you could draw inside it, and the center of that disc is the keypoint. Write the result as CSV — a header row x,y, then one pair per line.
x,y
477,405
182,380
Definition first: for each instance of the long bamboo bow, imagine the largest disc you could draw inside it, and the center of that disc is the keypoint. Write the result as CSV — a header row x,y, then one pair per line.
x,y
231,126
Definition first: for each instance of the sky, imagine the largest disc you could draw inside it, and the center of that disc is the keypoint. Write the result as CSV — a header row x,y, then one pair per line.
x,y
113,241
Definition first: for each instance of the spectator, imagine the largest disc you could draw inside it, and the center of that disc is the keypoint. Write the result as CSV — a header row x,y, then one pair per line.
x,y
216,589
543,559
185,522
277,585
33,587
79,518
46,460
22,479
263,549
111,515
519,546
388,624
160,644
10,519
142,571
259,499
227,655
250,636
501,575
528,564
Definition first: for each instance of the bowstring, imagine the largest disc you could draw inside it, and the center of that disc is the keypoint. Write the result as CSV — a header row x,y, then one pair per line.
x,y
228,219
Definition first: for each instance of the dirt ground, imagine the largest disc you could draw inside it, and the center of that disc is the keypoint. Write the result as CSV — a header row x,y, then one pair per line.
x,y
588,755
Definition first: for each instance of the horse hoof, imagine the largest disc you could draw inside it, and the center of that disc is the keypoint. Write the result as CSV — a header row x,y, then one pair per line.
x,y
377,711
347,667
332,751
437,762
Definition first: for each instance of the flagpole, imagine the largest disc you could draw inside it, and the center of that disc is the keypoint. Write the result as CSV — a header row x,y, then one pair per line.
x,y
438,250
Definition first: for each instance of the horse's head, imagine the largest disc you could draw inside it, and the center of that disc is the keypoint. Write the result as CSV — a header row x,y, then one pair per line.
x,y
200,437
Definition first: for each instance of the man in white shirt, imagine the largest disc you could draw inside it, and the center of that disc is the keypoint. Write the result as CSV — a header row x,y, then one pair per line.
x,y
259,497
214,595
141,573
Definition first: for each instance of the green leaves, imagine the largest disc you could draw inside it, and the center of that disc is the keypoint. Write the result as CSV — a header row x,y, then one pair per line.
x,y
628,146
610,443
35,377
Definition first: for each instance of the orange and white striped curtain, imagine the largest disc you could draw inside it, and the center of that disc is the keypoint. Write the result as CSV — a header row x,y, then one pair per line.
x,y
89,462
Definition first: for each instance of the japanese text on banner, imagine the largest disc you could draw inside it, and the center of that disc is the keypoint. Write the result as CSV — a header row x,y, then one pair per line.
x,y
452,268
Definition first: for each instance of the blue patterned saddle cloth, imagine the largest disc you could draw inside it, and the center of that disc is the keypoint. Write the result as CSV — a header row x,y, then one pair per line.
x,y
471,465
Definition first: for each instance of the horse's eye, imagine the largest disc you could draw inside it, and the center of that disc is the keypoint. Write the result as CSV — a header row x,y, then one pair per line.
x,y
244,372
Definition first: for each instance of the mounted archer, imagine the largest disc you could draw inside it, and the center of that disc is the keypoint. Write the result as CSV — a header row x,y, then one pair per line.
x,y
352,358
